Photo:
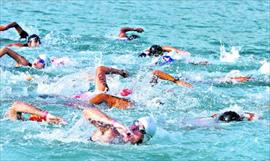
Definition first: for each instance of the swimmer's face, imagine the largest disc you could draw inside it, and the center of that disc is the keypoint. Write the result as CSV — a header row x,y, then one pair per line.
x,y
138,133
39,64
33,43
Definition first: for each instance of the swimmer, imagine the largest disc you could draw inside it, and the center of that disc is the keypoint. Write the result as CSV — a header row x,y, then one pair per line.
x,y
235,76
123,103
122,33
112,132
167,54
39,63
32,40
108,130
114,101
102,87
230,116
225,117
156,51
27,112
21,61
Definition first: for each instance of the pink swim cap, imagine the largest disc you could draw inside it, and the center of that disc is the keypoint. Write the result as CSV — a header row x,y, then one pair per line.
x,y
126,92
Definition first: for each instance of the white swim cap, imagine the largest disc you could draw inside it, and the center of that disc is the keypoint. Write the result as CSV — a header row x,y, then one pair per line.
x,y
45,59
42,56
149,125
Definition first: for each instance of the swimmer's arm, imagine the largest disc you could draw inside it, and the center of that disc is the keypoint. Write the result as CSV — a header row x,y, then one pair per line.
x,y
18,28
122,32
173,49
19,107
165,76
15,45
241,78
109,70
17,57
95,115
22,107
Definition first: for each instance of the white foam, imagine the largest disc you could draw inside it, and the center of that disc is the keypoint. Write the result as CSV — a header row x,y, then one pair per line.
x,y
229,57
265,68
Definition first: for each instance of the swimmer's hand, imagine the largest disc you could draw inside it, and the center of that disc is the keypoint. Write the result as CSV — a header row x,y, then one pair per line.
x,y
54,119
183,83
123,130
139,30
23,35
142,55
124,73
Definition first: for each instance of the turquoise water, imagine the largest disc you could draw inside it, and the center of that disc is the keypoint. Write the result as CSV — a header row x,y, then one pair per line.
x,y
85,32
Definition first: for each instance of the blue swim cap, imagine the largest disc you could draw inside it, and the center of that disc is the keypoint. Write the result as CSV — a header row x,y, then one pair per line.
x,y
165,60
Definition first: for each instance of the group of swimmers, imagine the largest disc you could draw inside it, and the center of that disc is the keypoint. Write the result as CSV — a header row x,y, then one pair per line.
x,y
108,129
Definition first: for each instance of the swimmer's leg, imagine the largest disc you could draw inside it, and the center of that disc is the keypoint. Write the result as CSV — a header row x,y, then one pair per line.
x,y
18,58
165,76
111,101
101,72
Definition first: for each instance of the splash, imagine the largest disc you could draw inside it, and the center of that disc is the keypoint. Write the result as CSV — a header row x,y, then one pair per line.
x,y
265,68
229,57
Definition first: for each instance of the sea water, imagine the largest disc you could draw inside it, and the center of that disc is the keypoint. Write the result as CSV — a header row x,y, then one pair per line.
x,y
86,31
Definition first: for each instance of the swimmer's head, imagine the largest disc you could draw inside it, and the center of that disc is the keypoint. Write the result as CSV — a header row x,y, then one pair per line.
x,y
155,50
144,129
229,116
131,37
39,63
33,41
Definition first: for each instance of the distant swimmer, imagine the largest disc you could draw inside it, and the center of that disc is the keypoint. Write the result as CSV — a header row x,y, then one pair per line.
x,y
225,117
230,116
113,132
123,33
164,55
156,51
234,76
26,112
32,40
40,62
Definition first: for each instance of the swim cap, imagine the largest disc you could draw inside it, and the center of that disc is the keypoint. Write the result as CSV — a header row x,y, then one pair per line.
x,y
229,116
155,50
34,37
149,125
126,92
44,59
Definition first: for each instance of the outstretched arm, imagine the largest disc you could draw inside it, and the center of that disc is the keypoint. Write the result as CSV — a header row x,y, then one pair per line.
x,y
165,76
15,44
19,107
21,32
173,49
98,119
101,72
18,58
123,31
